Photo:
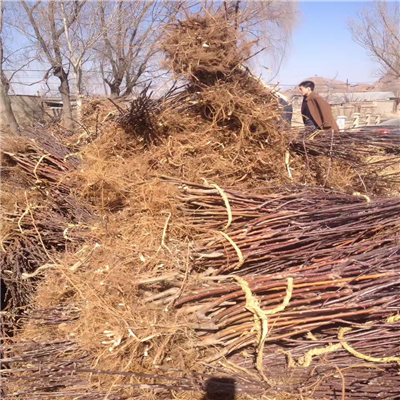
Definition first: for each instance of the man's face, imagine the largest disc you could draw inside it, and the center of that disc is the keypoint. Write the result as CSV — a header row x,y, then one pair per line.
x,y
305,91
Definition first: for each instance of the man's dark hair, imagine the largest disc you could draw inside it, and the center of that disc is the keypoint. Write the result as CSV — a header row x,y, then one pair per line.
x,y
308,84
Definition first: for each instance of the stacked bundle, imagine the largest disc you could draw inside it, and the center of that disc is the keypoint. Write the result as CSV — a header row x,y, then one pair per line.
x,y
40,216
313,277
341,145
370,159
287,228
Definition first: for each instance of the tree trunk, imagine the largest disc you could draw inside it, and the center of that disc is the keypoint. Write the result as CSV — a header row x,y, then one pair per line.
x,y
115,87
8,111
131,81
103,76
79,104
128,90
67,120
79,96
129,85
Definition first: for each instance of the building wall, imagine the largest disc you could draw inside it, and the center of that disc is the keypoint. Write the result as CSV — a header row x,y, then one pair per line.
x,y
386,108
27,109
378,111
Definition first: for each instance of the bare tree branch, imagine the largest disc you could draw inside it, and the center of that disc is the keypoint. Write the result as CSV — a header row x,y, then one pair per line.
x,y
378,31
44,19
5,82
130,32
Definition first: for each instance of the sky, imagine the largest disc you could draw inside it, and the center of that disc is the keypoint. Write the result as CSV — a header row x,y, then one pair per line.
x,y
322,45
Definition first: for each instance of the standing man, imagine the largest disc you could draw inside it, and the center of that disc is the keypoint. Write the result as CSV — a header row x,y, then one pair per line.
x,y
316,111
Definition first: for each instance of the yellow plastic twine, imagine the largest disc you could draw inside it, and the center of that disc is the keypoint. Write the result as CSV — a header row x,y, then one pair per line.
x,y
306,360
227,205
261,317
357,354
393,319
37,166
235,246
362,195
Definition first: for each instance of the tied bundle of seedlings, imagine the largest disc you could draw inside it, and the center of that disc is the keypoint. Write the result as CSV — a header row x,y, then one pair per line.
x,y
372,158
359,362
260,234
343,145
307,321
31,238
40,216
318,298
36,164
60,368
312,263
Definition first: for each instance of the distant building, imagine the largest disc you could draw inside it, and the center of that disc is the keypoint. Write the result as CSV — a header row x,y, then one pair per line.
x,y
26,108
384,104
29,109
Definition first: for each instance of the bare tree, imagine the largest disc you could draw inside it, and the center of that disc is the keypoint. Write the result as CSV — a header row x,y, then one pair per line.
x,y
130,31
46,30
80,38
269,22
377,29
5,82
